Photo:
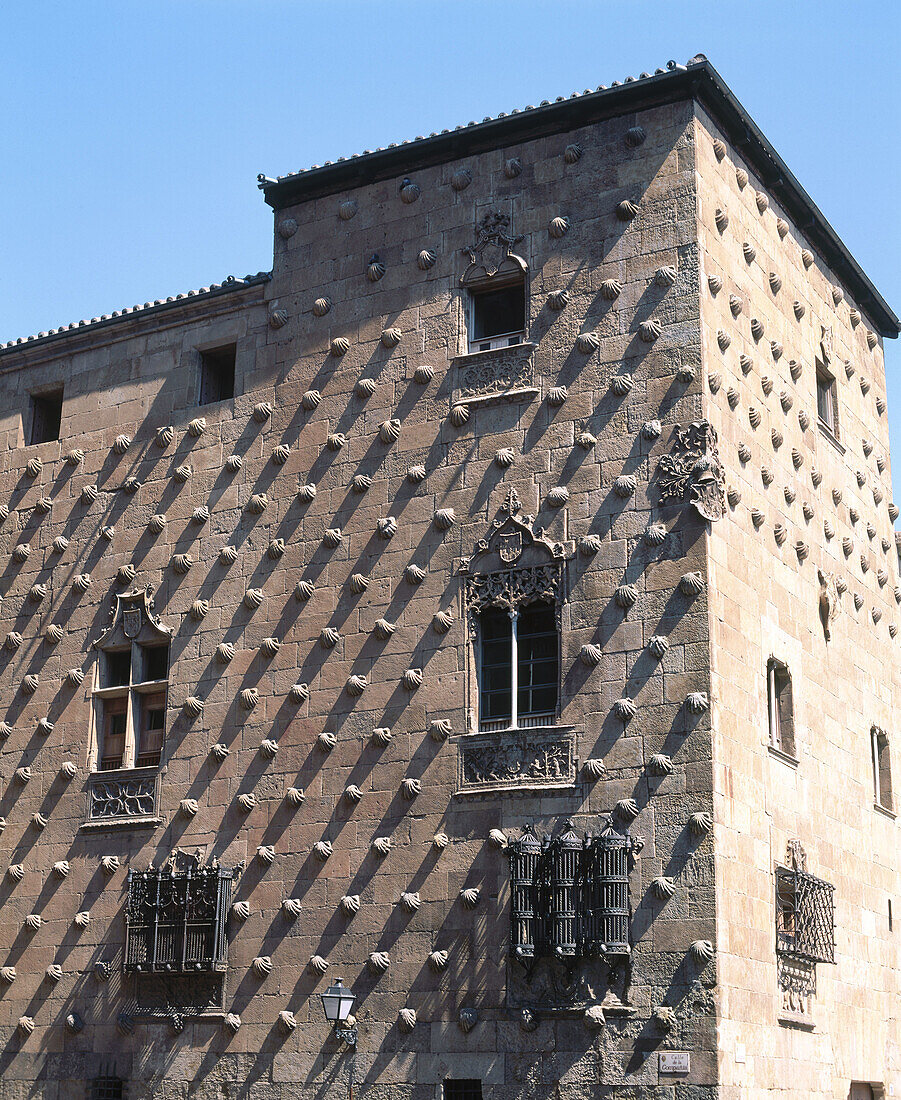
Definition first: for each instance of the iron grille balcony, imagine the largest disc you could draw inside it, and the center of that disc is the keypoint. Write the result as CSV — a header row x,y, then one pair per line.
x,y
175,920
570,895
805,916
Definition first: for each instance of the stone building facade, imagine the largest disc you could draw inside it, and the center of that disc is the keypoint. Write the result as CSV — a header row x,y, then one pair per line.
x,y
495,605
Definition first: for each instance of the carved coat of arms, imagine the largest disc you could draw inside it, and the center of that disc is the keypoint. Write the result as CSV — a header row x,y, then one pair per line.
x,y
692,472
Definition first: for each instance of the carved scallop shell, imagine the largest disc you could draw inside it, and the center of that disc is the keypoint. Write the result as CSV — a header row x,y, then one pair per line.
x,y
660,764
379,961
383,629
663,888
232,1022
658,645
626,809
440,729
650,330
723,339
121,444
655,534
332,538
410,901
459,415
440,841
558,227
409,192
611,290
715,283
627,211
321,306
22,552
438,960
558,300
381,845
701,951
691,584
625,710
414,574
572,154
30,683
287,1021
782,228
697,702
355,685
444,519
350,904
412,679
347,209
512,168
558,496
625,485
317,964
776,349
352,794
426,259
626,596
391,337
589,544
406,1019
872,340
376,270
593,769
423,375
68,769
381,736
295,796
591,655
721,218
339,346
700,823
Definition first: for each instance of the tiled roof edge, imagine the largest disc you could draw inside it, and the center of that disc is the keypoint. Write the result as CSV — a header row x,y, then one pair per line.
x,y
205,293
698,79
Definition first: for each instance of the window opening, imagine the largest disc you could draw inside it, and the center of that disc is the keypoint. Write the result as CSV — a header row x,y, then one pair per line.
x,y
464,1089
518,667
107,1088
115,726
805,916
155,663
217,374
118,668
46,417
882,768
781,708
827,407
497,317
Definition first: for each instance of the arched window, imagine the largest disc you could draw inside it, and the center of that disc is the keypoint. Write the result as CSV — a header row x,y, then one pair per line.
x,y
495,285
882,769
780,707
514,592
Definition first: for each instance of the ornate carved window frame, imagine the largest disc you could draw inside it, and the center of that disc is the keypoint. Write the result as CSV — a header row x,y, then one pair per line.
x,y
513,566
129,793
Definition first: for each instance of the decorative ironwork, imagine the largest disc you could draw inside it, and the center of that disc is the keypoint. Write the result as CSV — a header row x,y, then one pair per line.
x,y
514,759
570,895
693,473
175,919
107,1087
495,372
122,798
805,916
170,996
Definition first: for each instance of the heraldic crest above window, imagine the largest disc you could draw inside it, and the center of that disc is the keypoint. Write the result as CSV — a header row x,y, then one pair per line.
x,y
514,565
692,473
132,616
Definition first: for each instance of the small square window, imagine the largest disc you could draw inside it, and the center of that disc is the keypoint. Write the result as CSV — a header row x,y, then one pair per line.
x,y
465,1089
46,417
217,374
827,407
107,1088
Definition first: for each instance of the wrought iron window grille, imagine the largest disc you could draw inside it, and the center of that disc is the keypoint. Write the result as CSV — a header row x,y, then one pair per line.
x,y
570,894
464,1089
107,1087
805,916
176,917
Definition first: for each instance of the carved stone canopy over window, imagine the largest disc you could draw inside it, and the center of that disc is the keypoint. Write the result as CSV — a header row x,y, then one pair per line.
x,y
692,473
492,253
514,565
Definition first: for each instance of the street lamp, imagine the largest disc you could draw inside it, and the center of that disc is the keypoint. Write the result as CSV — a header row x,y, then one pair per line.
x,y
337,1001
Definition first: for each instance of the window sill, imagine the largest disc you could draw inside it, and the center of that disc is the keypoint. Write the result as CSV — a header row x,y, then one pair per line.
x,y
467,357
885,811
784,757
103,823
831,437
799,1023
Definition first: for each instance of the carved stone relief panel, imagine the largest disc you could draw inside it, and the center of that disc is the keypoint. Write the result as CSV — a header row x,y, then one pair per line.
x,y
518,758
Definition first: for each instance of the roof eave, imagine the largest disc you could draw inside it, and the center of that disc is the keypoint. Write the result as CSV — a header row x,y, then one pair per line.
x,y
699,81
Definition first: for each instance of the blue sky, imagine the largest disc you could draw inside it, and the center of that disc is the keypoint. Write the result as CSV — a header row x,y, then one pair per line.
x,y
133,132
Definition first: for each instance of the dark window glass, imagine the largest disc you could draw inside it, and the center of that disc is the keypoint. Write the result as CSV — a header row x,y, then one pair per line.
x,y
118,668
469,1089
781,708
217,374
498,312
115,721
537,667
826,400
155,661
46,416
882,769
151,731
495,679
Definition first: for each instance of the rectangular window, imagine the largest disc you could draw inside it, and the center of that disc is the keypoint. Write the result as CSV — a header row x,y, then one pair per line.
x,y
217,374
805,916
827,408
155,662
518,663
118,668
882,768
151,729
780,708
115,727
464,1089
46,416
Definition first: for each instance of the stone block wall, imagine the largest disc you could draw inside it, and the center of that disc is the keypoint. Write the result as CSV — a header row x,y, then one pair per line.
x,y
803,508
